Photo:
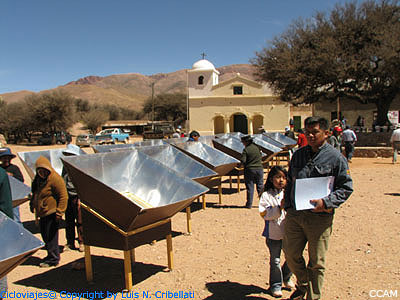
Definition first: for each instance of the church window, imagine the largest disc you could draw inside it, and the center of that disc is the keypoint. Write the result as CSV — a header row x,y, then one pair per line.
x,y
201,80
238,90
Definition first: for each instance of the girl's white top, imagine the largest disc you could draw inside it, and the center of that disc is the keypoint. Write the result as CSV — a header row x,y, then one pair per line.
x,y
274,217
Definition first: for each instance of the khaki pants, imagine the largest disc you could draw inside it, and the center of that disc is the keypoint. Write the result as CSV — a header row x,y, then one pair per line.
x,y
302,227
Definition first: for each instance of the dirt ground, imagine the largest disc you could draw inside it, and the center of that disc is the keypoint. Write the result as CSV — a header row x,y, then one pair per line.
x,y
226,256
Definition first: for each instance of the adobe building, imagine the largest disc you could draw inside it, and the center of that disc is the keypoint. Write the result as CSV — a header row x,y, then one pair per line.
x,y
235,105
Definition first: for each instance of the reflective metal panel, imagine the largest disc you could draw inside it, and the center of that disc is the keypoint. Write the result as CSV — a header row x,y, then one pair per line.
x,y
228,135
129,188
107,148
207,139
53,155
17,244
211,157
231,146
19,191
265,147
154,142
174,141
179,162
288,142
269,140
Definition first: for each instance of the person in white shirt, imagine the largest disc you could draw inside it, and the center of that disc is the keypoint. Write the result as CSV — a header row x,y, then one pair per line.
x,y
271,210
395,141
176,134
349,138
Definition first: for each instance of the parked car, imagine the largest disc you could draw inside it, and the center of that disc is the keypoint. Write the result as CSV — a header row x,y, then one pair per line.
x,y
47,138
85,140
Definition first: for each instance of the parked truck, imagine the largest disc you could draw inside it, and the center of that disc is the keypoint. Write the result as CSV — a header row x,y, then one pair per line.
x,y
158,131
112,136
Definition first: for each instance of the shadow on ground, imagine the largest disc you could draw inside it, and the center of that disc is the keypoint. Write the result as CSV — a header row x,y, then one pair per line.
x,y
108,275
234,290
225,191
196,206
392,194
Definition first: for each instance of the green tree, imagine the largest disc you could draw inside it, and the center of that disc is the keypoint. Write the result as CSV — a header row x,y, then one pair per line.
x,y
94,119
16,122
51,112
81,105
167,107
352,53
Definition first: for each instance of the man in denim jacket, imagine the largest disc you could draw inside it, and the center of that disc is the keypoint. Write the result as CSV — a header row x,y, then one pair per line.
x,y
314,226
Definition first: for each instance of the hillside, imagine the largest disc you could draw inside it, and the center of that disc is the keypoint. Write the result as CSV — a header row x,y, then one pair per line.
x,y
130,90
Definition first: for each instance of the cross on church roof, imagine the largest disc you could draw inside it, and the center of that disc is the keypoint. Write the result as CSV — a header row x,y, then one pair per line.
x,y
203,55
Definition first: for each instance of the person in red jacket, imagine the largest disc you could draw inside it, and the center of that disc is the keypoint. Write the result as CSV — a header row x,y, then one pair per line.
x,y
301,138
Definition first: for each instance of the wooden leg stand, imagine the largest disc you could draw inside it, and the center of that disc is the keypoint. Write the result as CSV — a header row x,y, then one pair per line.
x,y
238,183
230,182
128,270
204,201
189,220
220,193
170,255
88,264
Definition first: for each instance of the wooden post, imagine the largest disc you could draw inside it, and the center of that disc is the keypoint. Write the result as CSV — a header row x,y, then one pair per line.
x,y
204,201
88,264
220,193
189,220
170,254
128,270
238,183
230,182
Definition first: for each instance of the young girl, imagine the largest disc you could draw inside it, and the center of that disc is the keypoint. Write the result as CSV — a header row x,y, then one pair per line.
x,y
270,207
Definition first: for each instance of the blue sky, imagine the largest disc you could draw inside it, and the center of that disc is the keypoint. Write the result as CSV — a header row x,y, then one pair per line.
x,y
47,43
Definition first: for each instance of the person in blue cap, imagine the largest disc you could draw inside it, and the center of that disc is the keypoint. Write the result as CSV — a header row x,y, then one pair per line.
x,y
194,136
5,162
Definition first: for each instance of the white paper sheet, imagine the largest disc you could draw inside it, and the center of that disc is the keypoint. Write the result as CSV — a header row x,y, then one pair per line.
x,y
312,188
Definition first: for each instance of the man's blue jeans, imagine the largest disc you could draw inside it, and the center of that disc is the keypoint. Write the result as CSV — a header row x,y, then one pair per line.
x,y
253,177
396,148
276,273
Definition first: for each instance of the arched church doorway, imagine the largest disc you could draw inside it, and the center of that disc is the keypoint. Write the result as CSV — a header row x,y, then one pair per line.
x,y
218,125
240,123
258,120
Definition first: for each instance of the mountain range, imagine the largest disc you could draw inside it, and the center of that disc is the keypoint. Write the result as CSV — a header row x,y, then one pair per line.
x,y
132,89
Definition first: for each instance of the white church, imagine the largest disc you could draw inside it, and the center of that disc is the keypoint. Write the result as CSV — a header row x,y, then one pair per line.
x,y
235,105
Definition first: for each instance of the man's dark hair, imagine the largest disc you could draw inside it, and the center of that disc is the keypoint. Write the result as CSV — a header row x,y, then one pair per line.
x,y
194,133
323,123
